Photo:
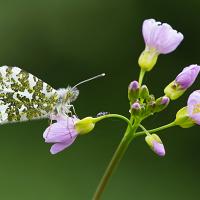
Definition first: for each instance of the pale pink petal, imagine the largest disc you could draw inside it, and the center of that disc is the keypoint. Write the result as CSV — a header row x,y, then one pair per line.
x,y
59,132
161,37
193,104
57,147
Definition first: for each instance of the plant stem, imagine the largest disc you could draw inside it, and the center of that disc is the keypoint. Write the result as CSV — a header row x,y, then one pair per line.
x,y
144,129
155,129
115,116
119,153
141,76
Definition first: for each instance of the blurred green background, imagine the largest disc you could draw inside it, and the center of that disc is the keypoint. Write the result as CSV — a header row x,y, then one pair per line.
x,y
63,42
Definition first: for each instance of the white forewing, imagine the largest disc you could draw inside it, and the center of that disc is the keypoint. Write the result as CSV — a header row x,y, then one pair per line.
x,y
24,96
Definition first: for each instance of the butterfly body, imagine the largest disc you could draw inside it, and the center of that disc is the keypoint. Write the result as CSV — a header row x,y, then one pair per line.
x,y
24,97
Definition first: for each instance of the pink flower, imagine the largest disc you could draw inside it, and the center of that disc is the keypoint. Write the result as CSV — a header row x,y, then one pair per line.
x,y
161,37
193,106
62,133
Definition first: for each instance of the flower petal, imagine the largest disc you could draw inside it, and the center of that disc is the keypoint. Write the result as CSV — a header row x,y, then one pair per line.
x,y
56,148
161,37
193,106
60,131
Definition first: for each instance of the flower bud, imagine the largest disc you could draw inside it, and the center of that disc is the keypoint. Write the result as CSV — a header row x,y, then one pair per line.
x,y
151,98
85,125
161,103
148,59
155,144
182,118
150,108
144,92
133,91
187,77
182,82
135,108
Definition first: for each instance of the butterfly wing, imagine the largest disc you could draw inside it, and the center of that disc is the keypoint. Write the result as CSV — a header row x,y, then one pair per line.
x,y
24,96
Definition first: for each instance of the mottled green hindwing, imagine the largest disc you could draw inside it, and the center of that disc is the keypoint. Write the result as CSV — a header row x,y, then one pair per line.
x,y
24,96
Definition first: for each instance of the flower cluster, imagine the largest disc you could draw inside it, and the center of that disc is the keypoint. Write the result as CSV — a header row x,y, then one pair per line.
x,y
159,39
143,104
162,39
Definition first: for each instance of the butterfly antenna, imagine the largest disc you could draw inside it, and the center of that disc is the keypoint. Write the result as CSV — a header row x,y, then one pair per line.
x,y
89,79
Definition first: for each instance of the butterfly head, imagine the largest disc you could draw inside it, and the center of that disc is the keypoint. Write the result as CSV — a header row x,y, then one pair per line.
x,y
68,95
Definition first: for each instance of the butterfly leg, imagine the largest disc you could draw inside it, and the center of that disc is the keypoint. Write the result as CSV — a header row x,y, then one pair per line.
x,y
68,126
74,111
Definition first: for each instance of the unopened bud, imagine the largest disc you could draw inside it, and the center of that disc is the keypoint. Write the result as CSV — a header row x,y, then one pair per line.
x,y
155,144
133,91
144,92
182,82
150,107
161,103
187,77
151,98
135,108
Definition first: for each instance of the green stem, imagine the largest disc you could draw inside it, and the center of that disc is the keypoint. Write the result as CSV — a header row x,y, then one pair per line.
x,y
115,116
141,76
119,153
155,129
144,129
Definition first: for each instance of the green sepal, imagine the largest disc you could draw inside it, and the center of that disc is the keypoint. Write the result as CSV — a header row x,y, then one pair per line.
x,y
182,119
85,125
133,95
173,91
144,92
150,138
148,59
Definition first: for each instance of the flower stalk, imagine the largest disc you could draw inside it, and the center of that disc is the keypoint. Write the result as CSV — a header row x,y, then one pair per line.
x,y
119,153
137,134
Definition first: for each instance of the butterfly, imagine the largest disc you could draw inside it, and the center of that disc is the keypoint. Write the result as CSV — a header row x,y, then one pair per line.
x,y
24,97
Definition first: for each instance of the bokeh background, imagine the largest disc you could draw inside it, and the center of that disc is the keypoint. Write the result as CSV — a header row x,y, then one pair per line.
x,y
64,42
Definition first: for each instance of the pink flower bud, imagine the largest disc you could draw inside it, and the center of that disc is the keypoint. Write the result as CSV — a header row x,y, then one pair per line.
x,y
187,77
158,148
155,144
